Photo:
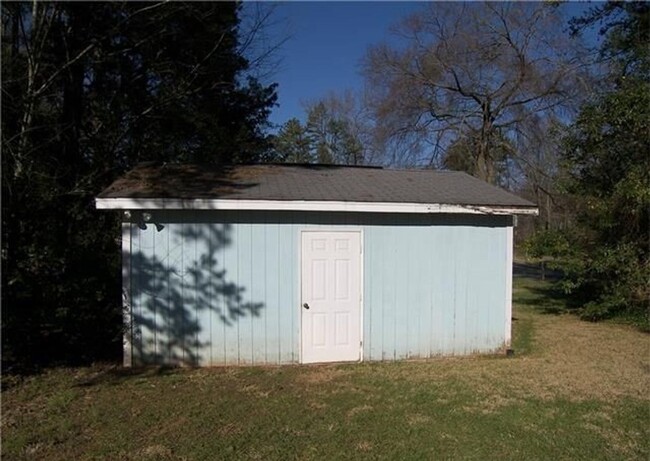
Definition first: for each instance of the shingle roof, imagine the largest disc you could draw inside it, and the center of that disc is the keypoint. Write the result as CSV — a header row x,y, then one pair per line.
x,y
288,182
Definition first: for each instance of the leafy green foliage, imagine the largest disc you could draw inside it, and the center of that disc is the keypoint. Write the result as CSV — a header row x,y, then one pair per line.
x,y
292,144
605,255
607,156
325,138
460,156
331,137
89,90
626,27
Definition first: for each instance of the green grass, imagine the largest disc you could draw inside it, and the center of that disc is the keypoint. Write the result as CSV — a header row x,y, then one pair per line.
x,y
544,403
532,297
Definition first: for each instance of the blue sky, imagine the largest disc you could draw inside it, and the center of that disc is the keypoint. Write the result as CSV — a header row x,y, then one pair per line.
x,y
327,43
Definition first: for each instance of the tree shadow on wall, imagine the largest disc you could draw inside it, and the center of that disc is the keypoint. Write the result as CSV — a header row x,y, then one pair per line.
x,y
179,289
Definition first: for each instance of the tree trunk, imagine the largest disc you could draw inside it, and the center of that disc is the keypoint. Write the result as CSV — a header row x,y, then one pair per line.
x,y
484,161
71,117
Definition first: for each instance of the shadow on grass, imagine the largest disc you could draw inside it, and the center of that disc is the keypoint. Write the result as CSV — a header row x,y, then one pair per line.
x,y
538,289
546,299
114,375
522,339
534,271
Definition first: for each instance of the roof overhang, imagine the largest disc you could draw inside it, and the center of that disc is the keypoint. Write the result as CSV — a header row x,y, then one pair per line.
x,y
305,205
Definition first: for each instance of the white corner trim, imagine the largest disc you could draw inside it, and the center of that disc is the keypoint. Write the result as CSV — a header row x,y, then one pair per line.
x,y
509,261
302,205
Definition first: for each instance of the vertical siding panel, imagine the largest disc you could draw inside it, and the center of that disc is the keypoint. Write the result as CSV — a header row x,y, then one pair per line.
x,y
472,284
258,292
380,238
229,292
194,284
434,277
395,299
136,294
178,314
484,302
204,262
427,289
450,258
402,288
145,273
460,330
245,282
272,298
228,272
433,251
445,288
296,310
476,280
479,296
286,289
370,284
412,263
212,302
217,342
448,287
424,290
162,292
388,293
485,299
497,313
378,261
436,339
127,296
169,249
194,281
175,314
416,301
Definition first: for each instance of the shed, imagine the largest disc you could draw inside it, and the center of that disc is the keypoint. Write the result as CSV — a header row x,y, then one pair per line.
x,y
278,264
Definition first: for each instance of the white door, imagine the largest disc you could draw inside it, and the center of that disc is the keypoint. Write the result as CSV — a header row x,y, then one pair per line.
x,y
331,296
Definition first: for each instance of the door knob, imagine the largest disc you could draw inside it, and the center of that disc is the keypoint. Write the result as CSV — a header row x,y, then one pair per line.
x,y
306,306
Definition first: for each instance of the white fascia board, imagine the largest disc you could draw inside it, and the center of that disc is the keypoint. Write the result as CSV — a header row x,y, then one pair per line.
x,y
302,205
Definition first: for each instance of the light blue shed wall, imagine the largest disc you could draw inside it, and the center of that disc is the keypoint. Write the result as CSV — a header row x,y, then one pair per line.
x,y
216,288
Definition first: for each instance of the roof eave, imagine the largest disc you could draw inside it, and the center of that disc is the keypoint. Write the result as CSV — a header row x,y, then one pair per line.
x,y
106,203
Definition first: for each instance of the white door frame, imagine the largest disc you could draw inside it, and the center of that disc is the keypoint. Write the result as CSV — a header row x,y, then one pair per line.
x,y
358,230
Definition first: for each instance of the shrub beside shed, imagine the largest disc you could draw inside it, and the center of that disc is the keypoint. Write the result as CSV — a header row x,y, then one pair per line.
x,y
275,264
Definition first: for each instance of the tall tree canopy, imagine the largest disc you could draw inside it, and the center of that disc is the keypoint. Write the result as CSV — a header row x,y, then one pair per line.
x,y
90,89
476,73
292,143
331,134
606,254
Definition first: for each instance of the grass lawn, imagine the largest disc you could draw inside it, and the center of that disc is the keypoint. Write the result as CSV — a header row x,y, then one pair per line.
x,y
573,390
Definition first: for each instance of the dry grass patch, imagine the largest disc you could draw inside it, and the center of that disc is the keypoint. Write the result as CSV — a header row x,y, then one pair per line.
x,y
357,410
417,419
364,446
320,374
581,360
571,359
574,390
